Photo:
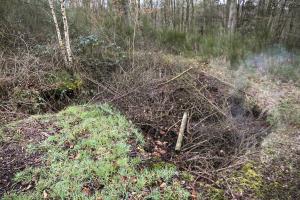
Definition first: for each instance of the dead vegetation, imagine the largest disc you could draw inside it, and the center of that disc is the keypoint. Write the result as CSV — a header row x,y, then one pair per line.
x,y
222,130
30,84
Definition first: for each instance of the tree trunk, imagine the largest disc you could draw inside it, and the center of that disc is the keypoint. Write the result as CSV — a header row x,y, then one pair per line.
x,y
193,15
66,31
232,16
126,12
182,17
187,20
60,41
173,14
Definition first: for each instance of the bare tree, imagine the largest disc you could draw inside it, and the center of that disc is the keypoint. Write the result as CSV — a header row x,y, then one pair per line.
x,y
60,41
232,16
66,31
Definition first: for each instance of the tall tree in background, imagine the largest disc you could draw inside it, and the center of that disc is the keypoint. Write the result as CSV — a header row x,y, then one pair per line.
x,y
66,31
232,19
126,11
60,41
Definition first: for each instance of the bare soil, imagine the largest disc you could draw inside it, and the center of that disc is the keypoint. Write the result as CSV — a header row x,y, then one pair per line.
x,y
13,154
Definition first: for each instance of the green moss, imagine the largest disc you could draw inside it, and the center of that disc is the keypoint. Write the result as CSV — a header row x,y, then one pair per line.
x,y
248,180
161,165
216,193
251,178
175,191
63,80
187,176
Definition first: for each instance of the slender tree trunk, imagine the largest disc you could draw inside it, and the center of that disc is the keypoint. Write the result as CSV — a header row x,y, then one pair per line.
x,y
182,17
178,10
172,14
193,15
227,8
187,20
165,13
126,8
152,13
232,16
60,41
261,8
66,31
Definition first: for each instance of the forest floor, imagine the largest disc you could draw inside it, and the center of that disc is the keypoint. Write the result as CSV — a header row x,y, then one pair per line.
x,y
94,152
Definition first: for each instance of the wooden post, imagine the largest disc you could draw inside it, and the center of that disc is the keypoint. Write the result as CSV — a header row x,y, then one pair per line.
x,y
181,132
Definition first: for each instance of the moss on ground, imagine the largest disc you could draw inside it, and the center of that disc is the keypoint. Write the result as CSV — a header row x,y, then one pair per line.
x,y
89,158
246,182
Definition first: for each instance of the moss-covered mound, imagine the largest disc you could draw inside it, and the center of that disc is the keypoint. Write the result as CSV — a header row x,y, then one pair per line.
x,y
88,156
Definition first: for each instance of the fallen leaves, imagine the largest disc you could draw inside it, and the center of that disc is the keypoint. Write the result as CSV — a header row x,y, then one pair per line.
x,y
87,191
45,194
163,185
68,145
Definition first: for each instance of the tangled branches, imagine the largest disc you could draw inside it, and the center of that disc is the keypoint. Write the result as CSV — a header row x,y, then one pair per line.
x,y
154,95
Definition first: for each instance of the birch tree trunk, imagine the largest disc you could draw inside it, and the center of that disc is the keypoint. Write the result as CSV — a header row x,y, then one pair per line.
x,y
60,41
232,16
66,31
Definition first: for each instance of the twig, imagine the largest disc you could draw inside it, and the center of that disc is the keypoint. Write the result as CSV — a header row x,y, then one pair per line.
x,y
181,132
203,119
99,84
172,126
226,83
232,195
126,94
179,75
209,101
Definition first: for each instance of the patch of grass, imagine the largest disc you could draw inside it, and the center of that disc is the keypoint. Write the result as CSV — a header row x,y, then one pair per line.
x,y
287,112
284,64
89,159
287,72
172,191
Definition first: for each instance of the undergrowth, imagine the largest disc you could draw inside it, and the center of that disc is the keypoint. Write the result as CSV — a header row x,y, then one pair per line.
x,y
286,113
89,158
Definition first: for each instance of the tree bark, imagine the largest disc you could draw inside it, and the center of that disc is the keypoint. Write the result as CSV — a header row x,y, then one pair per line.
x,y
126,12
187,20
60,41
193,15
232,16
66,31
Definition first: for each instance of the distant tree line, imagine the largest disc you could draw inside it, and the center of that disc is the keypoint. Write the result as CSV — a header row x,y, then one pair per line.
x,y
275,20
278,19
